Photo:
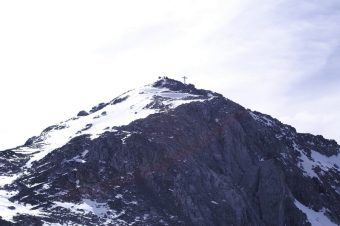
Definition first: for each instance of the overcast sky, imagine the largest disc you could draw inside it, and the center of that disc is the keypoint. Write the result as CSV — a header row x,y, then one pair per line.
x,y
59,57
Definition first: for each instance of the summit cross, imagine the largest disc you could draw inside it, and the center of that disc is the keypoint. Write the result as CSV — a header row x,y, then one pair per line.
x,y
184,79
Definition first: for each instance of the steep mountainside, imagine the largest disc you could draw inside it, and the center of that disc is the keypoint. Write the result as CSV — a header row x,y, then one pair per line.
x,y
171,154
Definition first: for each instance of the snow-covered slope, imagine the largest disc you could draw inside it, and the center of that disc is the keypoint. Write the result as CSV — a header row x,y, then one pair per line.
x,y
161,96
132,105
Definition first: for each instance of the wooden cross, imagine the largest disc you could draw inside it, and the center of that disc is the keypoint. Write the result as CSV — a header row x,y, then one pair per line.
x,y
184,78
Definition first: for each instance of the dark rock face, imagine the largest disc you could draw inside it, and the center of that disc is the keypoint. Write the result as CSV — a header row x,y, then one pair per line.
x,y
211,163
82,113
5,223
98,107
10,162
119,100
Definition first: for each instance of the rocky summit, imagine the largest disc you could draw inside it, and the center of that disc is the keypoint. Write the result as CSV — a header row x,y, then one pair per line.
x,y
171,154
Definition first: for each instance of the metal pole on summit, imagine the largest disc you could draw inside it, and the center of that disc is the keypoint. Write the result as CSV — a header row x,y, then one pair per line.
x,y
184,79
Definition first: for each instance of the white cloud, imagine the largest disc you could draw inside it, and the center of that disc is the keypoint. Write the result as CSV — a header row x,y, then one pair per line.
x,y
60,57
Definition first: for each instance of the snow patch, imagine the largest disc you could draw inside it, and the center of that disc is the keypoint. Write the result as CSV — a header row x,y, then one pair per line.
x,y
308,164
52,224
84,153
324,162
77,159
4,180
315,218
10,209
119,196
86,206
262,119
126,137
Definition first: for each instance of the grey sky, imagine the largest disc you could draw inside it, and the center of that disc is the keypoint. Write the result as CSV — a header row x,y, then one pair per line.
x,y
277,57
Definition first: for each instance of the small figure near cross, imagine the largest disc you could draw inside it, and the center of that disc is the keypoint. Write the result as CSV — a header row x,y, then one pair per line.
x,y
184,79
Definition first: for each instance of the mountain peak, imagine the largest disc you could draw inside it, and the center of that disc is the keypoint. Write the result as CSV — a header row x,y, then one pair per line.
x,y
168,83
161,96
147,150
177,86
